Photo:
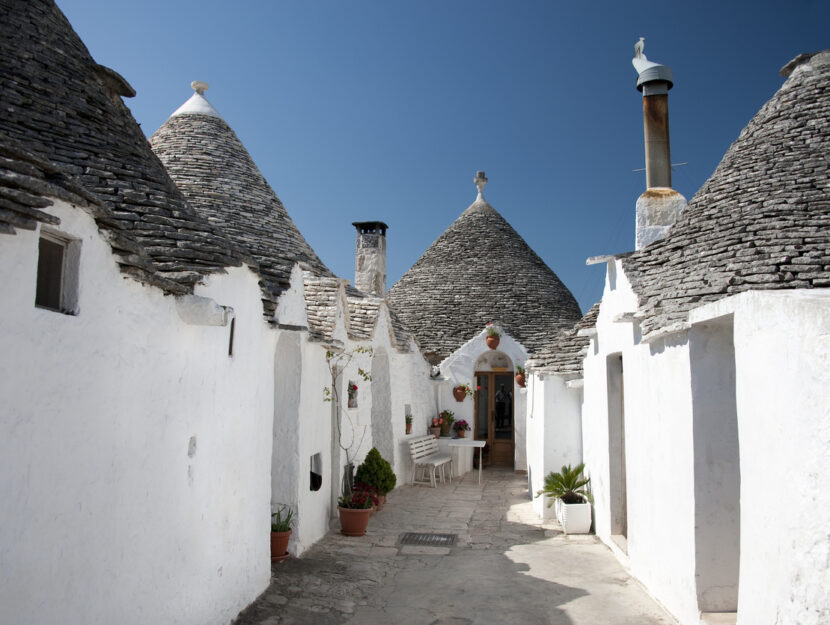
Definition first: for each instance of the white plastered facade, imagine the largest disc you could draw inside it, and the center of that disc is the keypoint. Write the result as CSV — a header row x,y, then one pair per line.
x,y
719,415
134,450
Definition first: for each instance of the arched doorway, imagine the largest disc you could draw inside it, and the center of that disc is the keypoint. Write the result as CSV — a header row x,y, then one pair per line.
x,y
494,413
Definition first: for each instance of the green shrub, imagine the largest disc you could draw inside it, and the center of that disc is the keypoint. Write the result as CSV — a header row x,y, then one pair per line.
x,y
377,472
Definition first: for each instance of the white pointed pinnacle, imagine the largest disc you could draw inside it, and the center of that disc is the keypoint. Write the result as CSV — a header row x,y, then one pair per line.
x,y
199,87
480,181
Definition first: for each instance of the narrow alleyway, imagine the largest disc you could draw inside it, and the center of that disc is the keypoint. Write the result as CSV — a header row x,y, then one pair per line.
x,y
506,566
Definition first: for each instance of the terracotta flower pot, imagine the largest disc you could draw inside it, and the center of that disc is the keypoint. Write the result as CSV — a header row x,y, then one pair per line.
x,y
409,428
520,379
436,432
460,433
381,502
459,393
353,522
279,545
445,428
492,342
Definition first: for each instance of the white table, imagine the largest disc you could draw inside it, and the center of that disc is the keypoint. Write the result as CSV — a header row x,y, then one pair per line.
x,y
470,442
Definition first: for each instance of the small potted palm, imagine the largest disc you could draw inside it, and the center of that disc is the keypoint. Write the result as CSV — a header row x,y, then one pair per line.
x,y
569,491
281,522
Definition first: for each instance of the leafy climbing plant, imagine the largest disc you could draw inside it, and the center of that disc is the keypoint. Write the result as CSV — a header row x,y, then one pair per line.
x,y
337,363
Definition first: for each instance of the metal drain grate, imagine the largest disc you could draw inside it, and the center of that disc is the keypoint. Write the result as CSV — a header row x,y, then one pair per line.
x,y
428,540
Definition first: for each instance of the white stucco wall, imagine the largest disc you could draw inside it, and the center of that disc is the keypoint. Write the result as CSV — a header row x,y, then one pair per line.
x,y
682,482
134,453
659,480
782,353
554,432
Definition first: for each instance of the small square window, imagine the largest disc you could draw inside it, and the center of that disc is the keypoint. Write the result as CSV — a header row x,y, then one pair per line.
x,y
57,273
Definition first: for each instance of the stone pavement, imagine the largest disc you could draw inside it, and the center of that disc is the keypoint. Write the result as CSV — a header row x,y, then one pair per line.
x,y
507,566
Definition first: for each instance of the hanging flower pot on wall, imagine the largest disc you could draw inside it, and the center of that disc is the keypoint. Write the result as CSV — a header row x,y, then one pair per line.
x,y
493,337
461,391
520,379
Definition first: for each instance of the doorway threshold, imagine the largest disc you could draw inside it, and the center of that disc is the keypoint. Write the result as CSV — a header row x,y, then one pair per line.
x,y
621,542
718,618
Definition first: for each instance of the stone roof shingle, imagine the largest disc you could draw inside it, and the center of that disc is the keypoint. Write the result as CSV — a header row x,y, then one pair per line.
x,y
478,271
564,355
220,179
59,105
761,221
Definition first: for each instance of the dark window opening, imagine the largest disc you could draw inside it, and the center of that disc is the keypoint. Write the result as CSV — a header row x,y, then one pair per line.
x,y
50,274
316,472
230,340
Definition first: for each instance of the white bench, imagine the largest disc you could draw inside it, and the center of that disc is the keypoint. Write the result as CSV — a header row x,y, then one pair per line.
x,y
428,458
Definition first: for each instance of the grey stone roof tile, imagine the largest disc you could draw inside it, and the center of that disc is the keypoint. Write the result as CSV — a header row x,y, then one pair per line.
x,y
59,105
761,221
564,355
478,271
219,178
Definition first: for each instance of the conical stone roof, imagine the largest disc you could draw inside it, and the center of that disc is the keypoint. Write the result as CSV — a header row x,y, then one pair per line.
x,y
762,221
62,112
219,178
481,271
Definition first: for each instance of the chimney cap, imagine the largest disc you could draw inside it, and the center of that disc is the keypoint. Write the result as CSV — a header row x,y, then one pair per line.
x,y
655,73
365,227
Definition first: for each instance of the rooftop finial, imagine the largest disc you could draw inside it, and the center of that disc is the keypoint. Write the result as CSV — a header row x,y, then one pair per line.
x,y
481,182
199,87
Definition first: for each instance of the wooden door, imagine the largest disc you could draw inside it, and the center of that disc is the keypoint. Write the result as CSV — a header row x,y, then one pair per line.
x,y
494,418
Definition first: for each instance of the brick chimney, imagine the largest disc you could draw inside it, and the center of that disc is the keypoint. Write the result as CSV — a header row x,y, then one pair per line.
x,y
659,206
370,257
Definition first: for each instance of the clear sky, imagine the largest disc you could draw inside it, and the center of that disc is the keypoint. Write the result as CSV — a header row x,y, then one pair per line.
x,y
357,110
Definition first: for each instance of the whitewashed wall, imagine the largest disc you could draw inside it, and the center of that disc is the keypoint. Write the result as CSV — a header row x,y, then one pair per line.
x,y
717,420
782,353
659,477
134,453
554,432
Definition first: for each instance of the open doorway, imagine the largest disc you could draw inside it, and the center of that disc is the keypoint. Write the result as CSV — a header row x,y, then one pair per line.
x,y
494,417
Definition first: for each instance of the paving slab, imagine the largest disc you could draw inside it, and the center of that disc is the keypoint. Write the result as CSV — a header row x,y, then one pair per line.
x,y
506,567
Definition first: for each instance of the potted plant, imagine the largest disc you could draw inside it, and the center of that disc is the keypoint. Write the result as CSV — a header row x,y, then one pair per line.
x,y
377,473
281,522
435,426
569,490
355,510
520,375
460,427
446,417
409,424
461,392
493,336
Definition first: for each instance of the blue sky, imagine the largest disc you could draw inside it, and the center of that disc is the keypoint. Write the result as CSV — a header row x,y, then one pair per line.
x,y
384,110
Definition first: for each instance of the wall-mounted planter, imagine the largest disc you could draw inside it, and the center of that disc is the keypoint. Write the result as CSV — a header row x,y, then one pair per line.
x,y
492,342
459,393
520,379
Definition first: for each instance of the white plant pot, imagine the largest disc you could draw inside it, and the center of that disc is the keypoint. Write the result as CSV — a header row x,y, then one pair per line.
x,y
575,518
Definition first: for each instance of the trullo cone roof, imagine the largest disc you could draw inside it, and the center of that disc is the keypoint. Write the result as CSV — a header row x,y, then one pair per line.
x,y
481,271
219,178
